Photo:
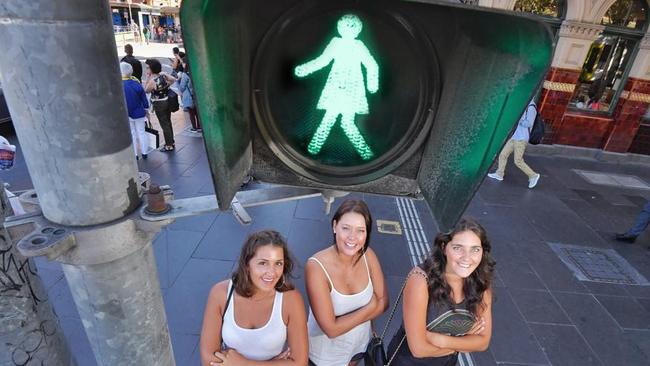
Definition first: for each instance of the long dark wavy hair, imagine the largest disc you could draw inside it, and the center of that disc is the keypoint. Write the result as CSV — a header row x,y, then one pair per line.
x,y
474,285
241,277
360,207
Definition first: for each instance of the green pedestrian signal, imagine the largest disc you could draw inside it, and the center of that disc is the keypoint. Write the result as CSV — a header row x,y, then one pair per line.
x,y
344,93
408,98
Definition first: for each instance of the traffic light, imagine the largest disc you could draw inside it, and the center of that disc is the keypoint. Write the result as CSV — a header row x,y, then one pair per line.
x,y
408,98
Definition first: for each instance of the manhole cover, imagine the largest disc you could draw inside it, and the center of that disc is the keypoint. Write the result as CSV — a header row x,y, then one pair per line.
x,y
598,265
609,179
389,227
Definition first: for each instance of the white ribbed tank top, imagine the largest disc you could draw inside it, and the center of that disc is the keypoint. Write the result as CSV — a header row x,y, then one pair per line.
x,y
259,344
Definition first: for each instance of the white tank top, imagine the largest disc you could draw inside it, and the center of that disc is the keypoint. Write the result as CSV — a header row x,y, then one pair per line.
x,y
259,344
325,351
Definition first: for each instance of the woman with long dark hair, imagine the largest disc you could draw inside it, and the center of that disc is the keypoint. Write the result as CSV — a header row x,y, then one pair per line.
x,y
346,290
257,315
455,280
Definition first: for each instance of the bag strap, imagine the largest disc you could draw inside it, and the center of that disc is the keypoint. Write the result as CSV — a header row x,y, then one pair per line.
x,y
392,312
399,297
225,308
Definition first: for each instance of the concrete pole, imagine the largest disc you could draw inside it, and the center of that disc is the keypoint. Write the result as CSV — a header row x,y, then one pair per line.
x,y
63,87
30,333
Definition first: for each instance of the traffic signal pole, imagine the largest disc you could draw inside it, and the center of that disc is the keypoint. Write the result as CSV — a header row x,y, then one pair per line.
x,y
62,83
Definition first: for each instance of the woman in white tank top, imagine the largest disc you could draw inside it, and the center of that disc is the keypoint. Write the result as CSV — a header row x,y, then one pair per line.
x,y
346,290
257,315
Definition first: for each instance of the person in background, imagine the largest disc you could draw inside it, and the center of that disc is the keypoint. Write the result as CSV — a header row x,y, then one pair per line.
x,y
187,97
640,224
177,61
346,290
256,317
457,275
136,105
158,84
134,62
518,143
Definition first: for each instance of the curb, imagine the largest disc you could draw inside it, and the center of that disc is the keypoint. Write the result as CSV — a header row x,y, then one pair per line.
x,y
575,152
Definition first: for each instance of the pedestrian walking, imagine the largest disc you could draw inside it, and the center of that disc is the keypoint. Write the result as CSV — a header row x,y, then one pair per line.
x,y
158,84
187,97
641,223
257,315
447,301
136,105
134,62
346,290
518,143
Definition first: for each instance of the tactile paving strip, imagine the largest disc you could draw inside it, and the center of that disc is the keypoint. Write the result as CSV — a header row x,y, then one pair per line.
x,y
598,265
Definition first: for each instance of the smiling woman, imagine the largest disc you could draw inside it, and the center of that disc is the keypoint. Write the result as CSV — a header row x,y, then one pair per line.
x,y
257,315
447,300
346,290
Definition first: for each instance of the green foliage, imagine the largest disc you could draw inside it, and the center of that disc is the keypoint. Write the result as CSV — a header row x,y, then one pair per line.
x,y
549,8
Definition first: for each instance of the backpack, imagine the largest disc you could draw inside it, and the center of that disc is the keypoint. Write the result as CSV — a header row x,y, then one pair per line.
x,y
537,131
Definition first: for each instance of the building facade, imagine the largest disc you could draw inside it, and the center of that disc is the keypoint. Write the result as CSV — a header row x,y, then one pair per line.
x,y
597,91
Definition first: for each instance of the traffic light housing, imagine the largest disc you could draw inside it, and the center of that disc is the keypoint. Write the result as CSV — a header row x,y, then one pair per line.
x,y
407,98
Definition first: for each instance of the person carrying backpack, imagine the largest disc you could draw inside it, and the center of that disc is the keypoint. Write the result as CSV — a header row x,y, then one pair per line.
x,y
517,143
158,85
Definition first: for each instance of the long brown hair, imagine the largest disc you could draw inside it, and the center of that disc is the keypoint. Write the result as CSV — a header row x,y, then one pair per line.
x,y
360,207
475,284
241,277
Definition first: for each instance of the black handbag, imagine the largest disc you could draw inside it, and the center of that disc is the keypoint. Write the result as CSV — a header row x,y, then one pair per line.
x,y
375,354
172,98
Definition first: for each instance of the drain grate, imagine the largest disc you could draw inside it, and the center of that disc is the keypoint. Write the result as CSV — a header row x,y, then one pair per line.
x,y
598,265
389,227
609,179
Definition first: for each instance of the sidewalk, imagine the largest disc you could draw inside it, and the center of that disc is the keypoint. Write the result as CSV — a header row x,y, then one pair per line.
x,y
543,313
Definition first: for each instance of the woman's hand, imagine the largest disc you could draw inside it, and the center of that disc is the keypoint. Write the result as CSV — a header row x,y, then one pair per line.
x,y
216,358
478,327
284,355
229,358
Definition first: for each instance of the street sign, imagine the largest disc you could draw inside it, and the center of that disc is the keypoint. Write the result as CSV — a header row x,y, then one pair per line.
x,y
407,98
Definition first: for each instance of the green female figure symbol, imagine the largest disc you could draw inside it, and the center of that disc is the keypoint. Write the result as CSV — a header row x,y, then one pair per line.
x,y
345,90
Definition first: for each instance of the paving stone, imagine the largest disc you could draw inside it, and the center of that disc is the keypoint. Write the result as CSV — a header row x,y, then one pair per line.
x,y
564,345
200,223
185,299
555,275
276,216
223,240
184,346
640,339
538,306
599,329
173,249
627,312
515,342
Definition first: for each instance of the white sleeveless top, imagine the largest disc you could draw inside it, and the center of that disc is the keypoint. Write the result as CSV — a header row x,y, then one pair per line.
x,y
259,344
325,351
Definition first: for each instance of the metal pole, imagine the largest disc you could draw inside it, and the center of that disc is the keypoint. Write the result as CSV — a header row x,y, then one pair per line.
x,y
30,333
63,87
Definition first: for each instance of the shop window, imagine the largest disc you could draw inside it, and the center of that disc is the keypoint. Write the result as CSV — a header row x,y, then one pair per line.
x,y
627,14
605,68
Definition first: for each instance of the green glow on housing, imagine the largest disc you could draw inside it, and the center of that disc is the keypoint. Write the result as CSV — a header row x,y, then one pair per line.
x,y
345,90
